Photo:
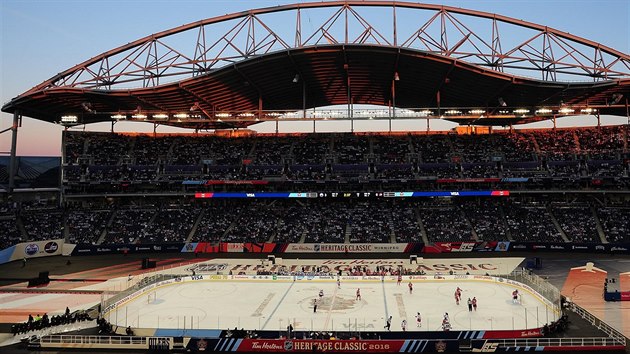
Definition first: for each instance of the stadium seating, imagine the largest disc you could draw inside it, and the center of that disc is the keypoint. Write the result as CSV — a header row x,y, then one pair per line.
x,y
584,159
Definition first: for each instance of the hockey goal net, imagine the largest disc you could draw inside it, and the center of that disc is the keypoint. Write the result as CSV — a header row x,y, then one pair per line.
x,y
151,297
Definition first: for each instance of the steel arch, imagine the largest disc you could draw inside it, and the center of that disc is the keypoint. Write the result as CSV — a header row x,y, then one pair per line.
x,y
545,53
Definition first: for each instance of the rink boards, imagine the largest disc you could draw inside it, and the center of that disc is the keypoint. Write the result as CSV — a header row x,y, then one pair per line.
x,y
256,301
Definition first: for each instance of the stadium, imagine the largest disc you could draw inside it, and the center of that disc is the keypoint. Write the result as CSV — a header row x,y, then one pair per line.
x,y
352,221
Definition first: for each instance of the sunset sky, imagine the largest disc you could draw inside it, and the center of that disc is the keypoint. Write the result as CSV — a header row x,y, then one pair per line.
x,y
41,38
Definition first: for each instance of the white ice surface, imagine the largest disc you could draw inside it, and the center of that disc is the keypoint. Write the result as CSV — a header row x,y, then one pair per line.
x,y
272,305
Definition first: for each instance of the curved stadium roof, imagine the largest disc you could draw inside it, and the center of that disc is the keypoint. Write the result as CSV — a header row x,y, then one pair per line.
x,y
239,69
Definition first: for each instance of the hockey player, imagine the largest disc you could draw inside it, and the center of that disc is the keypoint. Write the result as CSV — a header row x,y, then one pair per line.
x,y
456,297
410,288
388,323
399,279
446,325
314,305
321,294
470,306
474,303
418,320
338,283
358,294
403,325
515,296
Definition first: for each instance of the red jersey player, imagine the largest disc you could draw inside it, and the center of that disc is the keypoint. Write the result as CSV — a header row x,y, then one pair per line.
x,y
458,295
399,279
515,296
474,303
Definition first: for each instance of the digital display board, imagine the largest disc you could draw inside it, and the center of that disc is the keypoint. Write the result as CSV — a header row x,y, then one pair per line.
x,y
492,193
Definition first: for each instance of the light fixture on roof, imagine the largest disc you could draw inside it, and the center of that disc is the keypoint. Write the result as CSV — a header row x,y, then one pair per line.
x,y
566,110
69,119
477,111
181,115
588,110
396,76
521,111
296,78
544,111
119,116
139,116
160,116
222,115
452,112
502,102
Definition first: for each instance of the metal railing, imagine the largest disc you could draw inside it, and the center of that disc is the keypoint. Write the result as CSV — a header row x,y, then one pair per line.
x,y
556,342
108,340
601,325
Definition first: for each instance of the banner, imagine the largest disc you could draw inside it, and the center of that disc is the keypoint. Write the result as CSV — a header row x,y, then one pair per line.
x,y
346,248
38,249
450,247
315,345
87,249
623,248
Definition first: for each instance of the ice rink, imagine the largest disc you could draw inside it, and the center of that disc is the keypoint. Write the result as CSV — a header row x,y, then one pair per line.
x,y
271,305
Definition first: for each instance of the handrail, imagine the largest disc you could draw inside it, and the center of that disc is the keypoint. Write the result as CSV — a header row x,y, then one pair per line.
x,y
601,325
553,342
145,341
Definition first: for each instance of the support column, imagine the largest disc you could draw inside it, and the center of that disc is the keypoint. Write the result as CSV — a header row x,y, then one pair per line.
x,y
13,161
599,121
349,98
393,102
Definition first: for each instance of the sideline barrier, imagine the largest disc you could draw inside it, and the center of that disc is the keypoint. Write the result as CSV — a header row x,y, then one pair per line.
x,y
58,247
518,279
195,345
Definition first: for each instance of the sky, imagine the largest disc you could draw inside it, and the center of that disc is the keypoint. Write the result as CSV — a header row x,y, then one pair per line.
x,y
41,38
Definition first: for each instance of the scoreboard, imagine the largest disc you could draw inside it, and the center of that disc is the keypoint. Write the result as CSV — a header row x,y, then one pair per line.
x,y
360,195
